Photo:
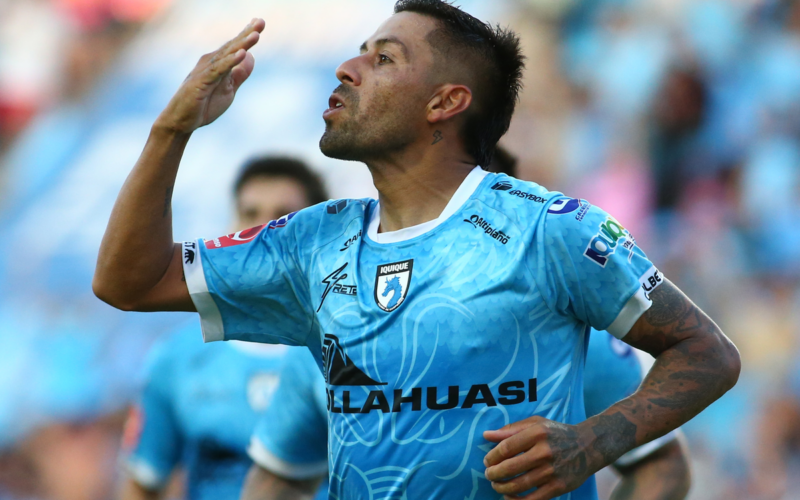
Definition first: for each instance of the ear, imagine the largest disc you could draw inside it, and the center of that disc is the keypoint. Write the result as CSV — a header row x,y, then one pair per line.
x,y
449,101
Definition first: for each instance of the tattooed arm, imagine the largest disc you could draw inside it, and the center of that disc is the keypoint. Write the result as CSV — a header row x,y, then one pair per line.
x,y
663,475
139,266
695,365
261,484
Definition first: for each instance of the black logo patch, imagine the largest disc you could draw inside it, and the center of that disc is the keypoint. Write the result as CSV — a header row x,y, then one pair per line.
x,y
337,206
391,284
339,368
502,186
189,252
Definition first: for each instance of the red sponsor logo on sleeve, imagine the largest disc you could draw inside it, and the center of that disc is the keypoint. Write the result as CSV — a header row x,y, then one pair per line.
x,y
233,239
241,237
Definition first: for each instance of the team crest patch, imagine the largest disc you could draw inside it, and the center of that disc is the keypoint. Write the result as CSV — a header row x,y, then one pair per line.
x,y
391,284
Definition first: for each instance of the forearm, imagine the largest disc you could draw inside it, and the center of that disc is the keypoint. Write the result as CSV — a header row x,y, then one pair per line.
x,y
138,246
695,365
264,485
664,475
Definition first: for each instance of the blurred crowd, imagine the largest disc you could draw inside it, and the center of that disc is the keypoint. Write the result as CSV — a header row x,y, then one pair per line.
x,y
680,117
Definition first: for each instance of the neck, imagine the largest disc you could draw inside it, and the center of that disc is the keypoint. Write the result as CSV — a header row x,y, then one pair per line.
x,y
415,187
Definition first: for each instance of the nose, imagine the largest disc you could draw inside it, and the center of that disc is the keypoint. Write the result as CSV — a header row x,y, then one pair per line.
x,y
347,72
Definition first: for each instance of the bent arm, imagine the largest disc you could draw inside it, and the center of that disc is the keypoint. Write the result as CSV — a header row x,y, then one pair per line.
x,y
662,475
695,365
139,266
262,484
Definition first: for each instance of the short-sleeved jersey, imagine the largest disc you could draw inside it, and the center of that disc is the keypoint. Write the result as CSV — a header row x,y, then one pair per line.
x,y
291,437
430,335
198,409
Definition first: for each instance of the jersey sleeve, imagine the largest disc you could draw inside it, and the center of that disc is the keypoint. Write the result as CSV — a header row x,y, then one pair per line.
x,y
249,285
588,266
152,442
290,438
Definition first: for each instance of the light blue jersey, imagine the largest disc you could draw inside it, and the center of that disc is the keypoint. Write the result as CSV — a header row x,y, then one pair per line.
x,y
198,409
430,335
613,372
291,438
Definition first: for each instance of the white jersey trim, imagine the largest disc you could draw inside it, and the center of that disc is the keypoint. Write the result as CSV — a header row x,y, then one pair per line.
x,y
144,474
462,194
644,451
636,305
267,460
210,318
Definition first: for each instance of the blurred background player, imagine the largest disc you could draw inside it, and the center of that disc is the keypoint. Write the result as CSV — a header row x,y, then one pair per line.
x,y
200,403
290,451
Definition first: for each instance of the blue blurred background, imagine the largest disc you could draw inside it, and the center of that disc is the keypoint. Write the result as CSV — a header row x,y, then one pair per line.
x,y
680,117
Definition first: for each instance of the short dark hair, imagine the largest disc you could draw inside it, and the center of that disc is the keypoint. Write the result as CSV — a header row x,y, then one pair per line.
x,y
283,166
495,58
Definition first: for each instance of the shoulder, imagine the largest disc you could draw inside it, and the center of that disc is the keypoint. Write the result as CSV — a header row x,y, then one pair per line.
x,y
327,219
534,207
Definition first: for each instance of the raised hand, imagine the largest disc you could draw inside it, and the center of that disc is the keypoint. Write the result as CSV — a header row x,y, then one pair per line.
x,y
537,453
211,86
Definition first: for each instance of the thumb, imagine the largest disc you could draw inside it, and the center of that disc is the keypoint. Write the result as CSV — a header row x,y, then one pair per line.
x,y
243,70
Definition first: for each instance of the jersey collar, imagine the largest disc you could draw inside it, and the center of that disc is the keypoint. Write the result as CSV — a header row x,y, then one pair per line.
x,y
462,194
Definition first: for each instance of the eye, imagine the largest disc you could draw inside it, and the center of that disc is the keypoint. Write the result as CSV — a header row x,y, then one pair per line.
x,y
383,59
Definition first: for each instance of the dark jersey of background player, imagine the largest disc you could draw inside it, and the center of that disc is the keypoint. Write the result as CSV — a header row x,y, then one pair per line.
x,y
425,102
200,402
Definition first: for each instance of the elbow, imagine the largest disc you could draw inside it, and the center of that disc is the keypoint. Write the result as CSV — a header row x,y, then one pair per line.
x,y
107,293
731,363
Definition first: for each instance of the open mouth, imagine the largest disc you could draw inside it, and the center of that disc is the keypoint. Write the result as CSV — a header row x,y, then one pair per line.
x,y
335,104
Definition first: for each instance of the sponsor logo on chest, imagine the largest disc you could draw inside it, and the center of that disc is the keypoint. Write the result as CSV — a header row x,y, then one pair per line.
x,y
479,222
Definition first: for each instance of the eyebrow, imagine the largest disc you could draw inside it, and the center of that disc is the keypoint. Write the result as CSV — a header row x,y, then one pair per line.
x,y
384,41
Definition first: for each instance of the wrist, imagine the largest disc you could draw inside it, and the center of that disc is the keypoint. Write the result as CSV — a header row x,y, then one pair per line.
x,y
606,438
164,129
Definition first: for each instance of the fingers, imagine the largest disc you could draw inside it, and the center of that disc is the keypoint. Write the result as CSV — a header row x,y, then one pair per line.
x,y
246,39
532,479
220,67
535,457
511,429
514,445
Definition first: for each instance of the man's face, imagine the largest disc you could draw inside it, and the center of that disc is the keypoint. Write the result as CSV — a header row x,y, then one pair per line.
x,y
263,199
380,107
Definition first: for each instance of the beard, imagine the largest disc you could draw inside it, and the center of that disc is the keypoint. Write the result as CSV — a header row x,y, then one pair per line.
x,y
359,135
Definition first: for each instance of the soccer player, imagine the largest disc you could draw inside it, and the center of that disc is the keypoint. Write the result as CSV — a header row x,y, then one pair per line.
x,y
450,315
201,402
290,448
